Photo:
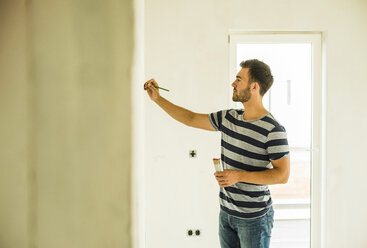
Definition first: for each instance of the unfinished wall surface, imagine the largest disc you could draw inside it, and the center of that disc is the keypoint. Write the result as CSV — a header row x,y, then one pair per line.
x,y
14,126
186,51
65,78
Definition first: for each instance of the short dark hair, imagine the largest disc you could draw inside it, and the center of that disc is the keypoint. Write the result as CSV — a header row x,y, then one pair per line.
x,y
259,72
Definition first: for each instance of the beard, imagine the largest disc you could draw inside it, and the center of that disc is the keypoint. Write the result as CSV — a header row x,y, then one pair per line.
x,y
243,96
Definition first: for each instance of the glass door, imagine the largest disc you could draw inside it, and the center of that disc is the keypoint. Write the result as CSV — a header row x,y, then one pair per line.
x,y
292,102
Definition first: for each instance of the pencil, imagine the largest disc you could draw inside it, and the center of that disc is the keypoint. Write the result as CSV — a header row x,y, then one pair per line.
x,y
160,88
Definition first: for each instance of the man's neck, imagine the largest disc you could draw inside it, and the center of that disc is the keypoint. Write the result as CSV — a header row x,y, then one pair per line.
x,y
253,110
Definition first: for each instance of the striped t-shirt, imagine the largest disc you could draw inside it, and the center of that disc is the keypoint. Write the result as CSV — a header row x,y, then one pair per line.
x,y
248,146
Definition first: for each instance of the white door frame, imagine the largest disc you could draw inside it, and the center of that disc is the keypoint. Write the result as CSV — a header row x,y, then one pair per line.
x,y
318,176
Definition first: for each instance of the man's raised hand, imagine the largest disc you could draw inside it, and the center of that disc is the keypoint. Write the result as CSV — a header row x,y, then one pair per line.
x,y
153,92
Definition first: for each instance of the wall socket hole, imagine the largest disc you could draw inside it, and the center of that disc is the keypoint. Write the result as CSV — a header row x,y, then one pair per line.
x,y
193,153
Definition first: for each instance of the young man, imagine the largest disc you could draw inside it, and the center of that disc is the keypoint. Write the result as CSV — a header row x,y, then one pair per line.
x,y
255,154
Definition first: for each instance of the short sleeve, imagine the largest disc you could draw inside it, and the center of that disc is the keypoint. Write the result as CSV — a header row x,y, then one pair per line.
x,y
216,119
277,143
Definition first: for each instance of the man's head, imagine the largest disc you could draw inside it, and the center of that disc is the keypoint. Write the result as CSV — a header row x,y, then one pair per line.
x,y
254,77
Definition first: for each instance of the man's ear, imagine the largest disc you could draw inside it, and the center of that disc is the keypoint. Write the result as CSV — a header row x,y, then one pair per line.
x,y
255,86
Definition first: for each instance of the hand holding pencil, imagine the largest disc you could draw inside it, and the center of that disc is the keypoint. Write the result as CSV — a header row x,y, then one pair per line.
x,y
151,86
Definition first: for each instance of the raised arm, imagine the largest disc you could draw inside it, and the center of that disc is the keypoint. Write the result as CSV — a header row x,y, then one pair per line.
x,y
178,113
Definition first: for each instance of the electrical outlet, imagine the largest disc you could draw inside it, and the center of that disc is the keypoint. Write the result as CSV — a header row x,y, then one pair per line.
x,y
192,232
193,153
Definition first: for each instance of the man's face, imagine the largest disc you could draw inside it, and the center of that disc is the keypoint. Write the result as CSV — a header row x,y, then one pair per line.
x,y
241,87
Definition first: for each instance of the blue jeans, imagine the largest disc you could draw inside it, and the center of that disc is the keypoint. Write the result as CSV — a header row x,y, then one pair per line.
x,y
245,233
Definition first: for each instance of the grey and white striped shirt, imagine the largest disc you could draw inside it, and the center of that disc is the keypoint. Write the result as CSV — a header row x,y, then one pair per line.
x,y
249,146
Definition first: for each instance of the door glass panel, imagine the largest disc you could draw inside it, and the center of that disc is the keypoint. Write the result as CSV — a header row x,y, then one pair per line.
x,y
289,100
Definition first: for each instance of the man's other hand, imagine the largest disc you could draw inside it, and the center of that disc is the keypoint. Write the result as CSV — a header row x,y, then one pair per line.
x,y
227,178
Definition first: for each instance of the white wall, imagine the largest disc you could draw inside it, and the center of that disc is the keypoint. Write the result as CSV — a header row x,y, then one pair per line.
x,y
186,51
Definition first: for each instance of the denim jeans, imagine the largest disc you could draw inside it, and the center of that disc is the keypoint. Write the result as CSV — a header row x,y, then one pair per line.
x,y
245,233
